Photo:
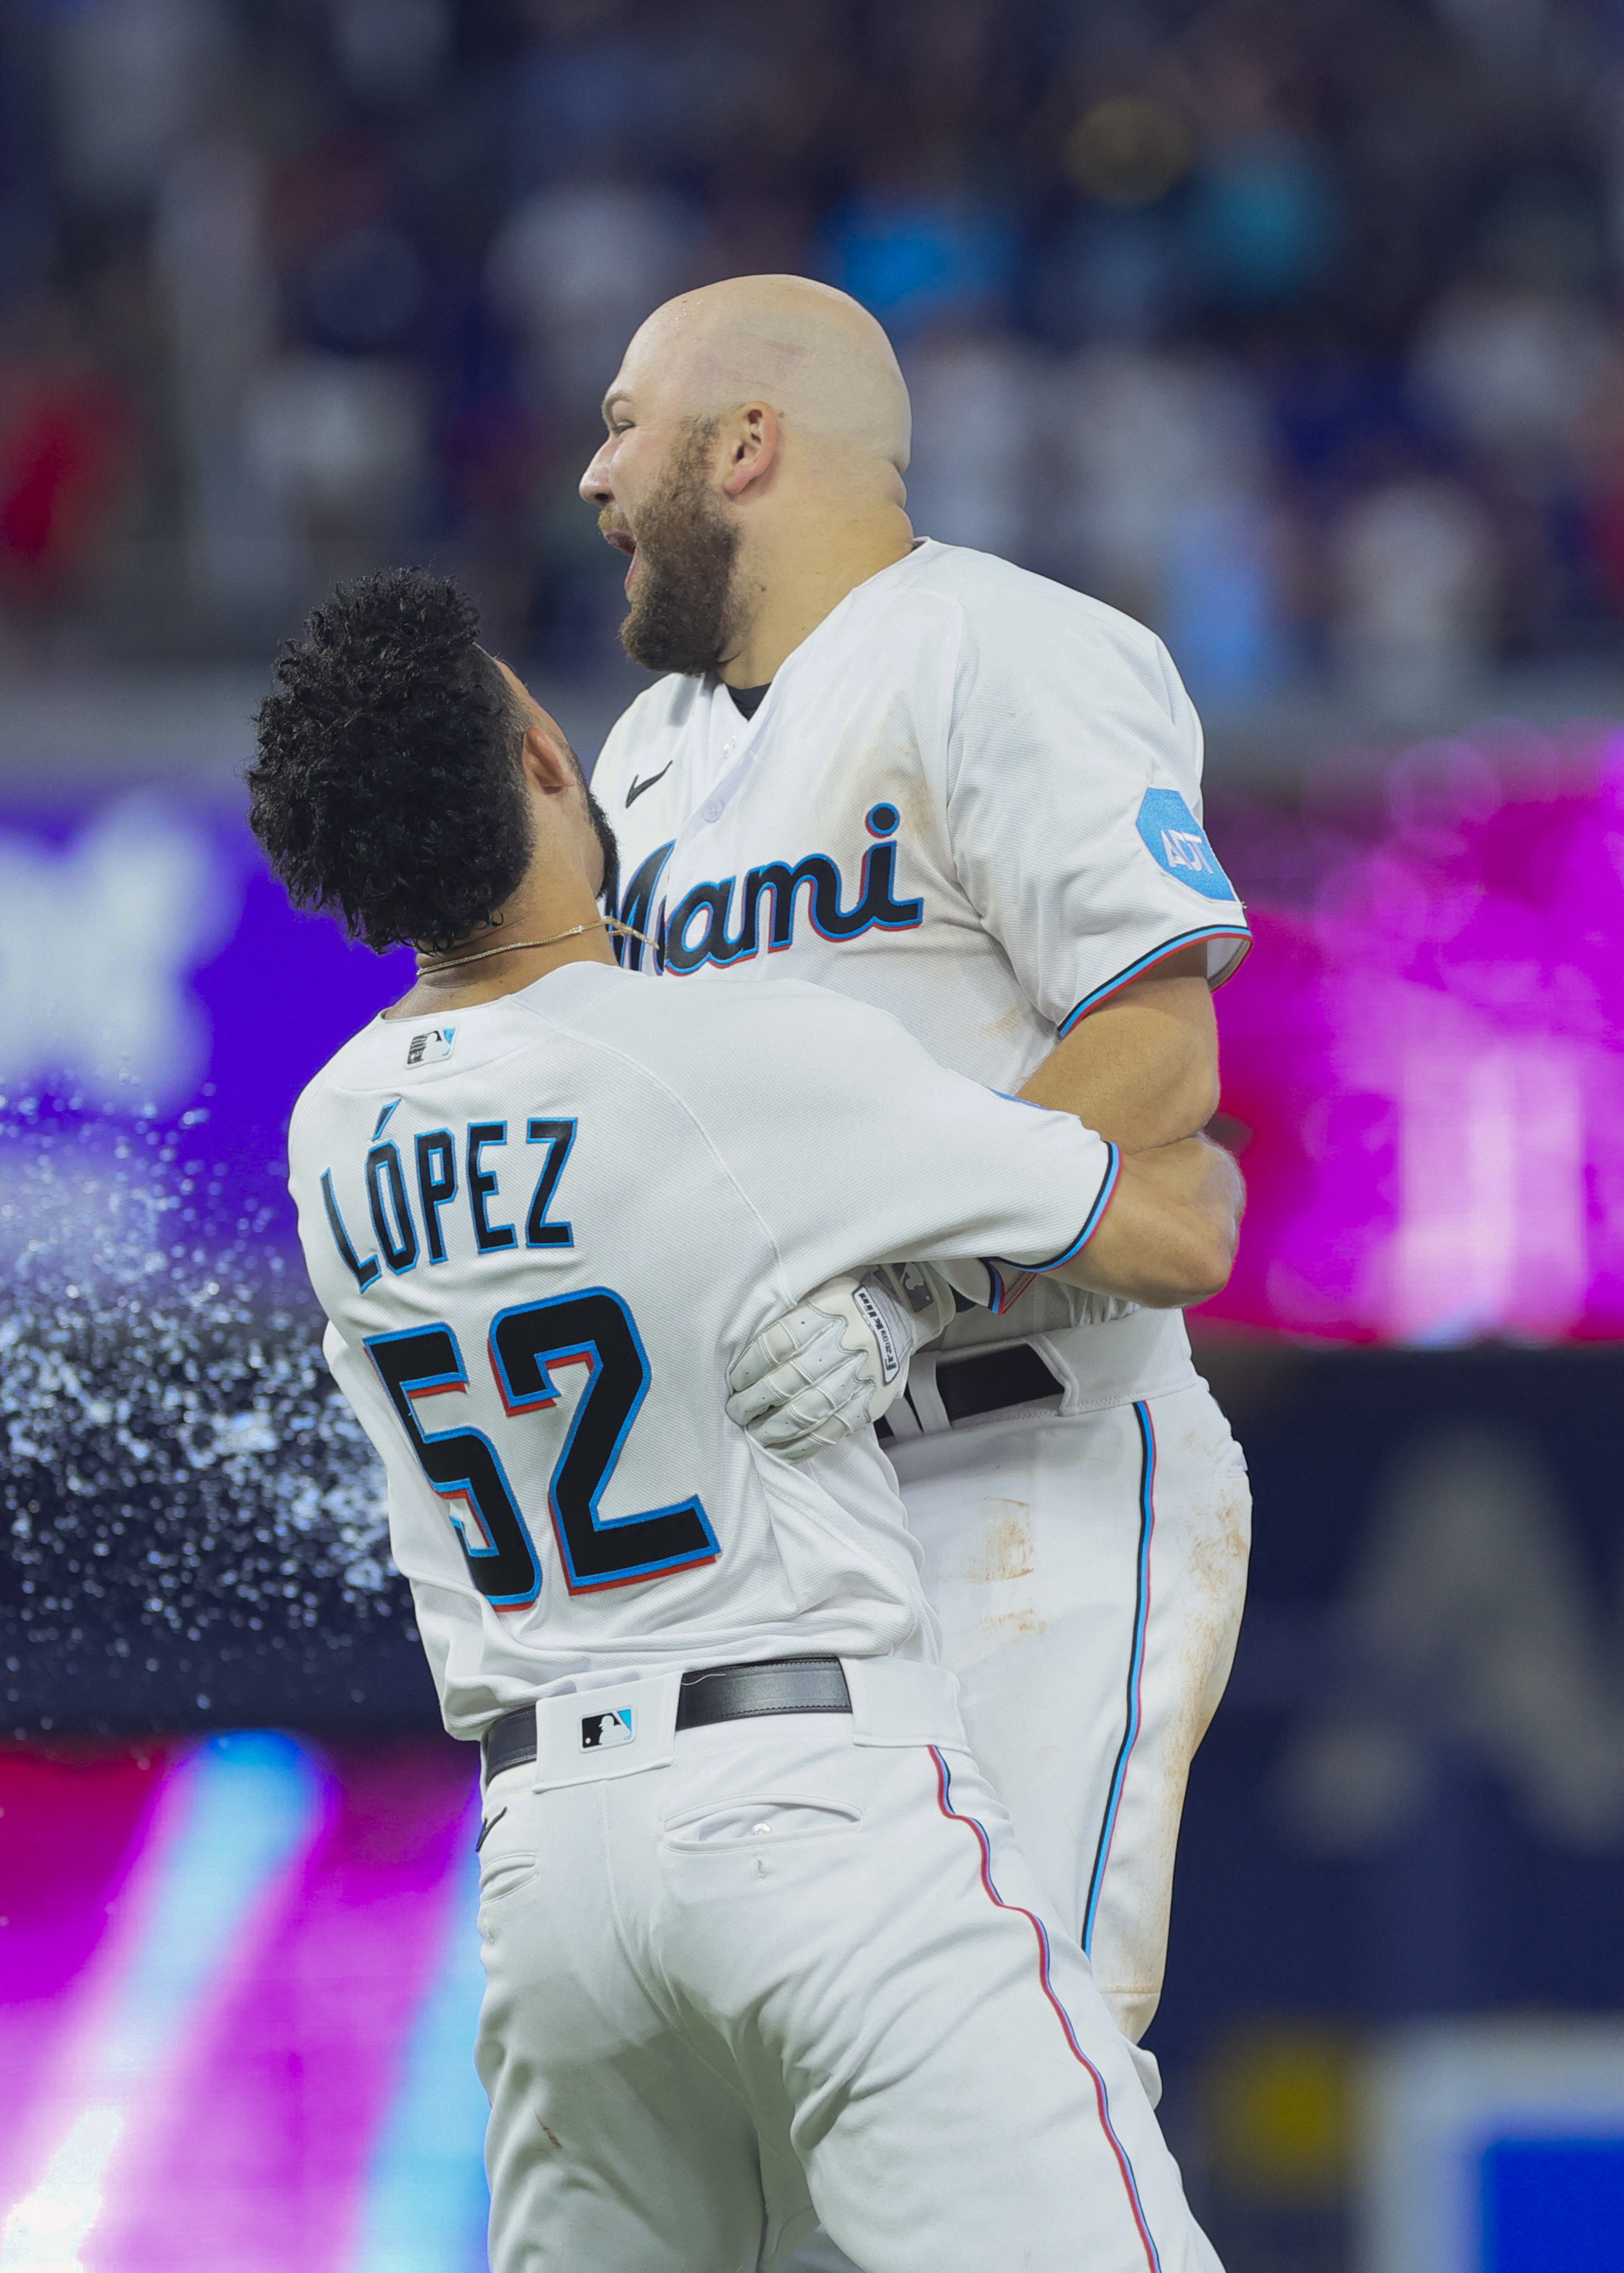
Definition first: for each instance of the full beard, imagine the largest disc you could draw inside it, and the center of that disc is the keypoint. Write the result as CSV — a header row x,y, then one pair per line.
x,y
682,616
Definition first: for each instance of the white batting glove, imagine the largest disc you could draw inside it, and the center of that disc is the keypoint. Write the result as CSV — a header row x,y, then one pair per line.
x,y
834,1364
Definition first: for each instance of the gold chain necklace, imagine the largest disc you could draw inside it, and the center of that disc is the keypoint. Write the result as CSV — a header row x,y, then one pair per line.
x,y
518,946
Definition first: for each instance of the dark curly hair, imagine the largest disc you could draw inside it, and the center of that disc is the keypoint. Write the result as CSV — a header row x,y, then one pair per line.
x,y
388,789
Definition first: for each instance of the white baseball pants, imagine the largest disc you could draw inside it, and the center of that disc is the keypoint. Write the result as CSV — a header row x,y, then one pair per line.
x,y
799,1970
1089,1571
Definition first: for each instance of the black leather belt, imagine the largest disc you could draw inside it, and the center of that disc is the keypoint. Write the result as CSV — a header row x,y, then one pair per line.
x,y
1013,1374
708,1694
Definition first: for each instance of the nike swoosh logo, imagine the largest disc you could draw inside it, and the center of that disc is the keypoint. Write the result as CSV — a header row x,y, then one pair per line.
x,y
638,787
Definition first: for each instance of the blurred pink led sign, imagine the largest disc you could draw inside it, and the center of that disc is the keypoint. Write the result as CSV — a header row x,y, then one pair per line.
x,y
1423,1053
1425,1049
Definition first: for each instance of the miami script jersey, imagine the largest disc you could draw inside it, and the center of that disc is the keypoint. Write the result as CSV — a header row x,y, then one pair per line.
x,y
972,798
541,1233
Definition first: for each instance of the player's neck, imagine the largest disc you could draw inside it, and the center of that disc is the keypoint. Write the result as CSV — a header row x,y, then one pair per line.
x,y
545,904
794,575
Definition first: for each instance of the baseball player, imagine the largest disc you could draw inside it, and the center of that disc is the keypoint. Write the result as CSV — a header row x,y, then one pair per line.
x,y
759,1943
972,798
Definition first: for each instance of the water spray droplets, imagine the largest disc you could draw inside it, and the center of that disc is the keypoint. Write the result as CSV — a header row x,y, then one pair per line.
x,y
177,1458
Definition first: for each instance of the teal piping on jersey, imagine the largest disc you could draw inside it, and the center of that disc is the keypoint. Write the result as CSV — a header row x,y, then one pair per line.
x,y
997,1267
1149,962
1113,1169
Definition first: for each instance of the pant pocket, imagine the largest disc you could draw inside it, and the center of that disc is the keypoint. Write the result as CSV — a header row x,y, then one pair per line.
x,y
504,1874
773,1819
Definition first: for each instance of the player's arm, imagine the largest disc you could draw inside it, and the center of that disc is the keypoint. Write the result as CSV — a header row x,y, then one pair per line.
x,y
1167,1232
1074,814
1143,1068
1161,1232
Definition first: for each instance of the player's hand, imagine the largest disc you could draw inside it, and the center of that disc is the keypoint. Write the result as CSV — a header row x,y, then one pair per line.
x,y
834,1363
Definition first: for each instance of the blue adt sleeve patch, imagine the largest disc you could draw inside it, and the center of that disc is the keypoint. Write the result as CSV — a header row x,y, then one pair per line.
x,y
1176,842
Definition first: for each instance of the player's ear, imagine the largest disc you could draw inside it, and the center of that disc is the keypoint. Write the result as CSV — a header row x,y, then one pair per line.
x,y
548,762
752,438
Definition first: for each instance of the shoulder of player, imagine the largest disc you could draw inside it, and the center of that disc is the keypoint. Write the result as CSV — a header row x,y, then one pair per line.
x,y
688,1035
724,1063
608,1037
661,710
1016,605
374,1064
1016,623
344,1074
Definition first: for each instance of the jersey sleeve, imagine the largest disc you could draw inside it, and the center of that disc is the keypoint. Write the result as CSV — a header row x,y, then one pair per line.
x,y
853,1145
1074,802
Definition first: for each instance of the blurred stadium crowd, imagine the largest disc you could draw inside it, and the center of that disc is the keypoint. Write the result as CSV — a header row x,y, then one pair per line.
x,y
1291,326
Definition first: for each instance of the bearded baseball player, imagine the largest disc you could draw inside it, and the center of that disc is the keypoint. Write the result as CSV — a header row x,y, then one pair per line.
x,y
759,1942
970,797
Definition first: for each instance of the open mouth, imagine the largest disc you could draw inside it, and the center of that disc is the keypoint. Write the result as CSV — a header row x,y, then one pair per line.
x,y
623,541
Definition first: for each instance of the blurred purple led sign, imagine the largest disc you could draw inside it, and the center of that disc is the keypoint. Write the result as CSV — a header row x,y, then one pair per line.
x,y
154,974
1425,1052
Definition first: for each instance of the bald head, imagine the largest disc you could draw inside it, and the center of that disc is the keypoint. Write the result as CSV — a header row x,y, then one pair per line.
x,y
821,361
752,471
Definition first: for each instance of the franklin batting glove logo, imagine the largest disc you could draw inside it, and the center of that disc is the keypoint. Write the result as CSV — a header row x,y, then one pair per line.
x,y
599,1730
879,1326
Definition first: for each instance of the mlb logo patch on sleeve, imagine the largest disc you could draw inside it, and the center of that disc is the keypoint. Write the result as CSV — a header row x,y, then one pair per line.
x,y
1177,841
430,1048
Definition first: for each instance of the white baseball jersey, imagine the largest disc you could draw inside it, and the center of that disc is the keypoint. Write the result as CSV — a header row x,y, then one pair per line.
x,y
972,797
541,1236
